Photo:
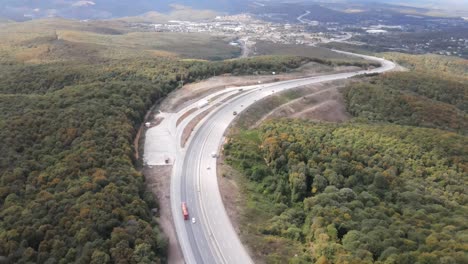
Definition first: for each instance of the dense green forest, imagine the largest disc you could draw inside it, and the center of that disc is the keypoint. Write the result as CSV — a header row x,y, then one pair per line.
x,y
69,190
354,193
386,187
411,98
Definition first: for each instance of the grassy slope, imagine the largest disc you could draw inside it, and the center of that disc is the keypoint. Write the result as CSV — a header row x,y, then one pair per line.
x,y
59,39
190,45
263,48
443,66
179,12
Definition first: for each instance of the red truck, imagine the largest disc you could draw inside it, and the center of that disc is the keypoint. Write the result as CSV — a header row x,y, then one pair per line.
x,y
185,211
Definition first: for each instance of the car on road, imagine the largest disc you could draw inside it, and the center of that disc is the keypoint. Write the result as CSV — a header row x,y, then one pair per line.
x,y
234,113
193,220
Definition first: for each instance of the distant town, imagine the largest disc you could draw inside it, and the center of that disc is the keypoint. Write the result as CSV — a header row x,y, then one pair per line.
x,y
439,36
245,26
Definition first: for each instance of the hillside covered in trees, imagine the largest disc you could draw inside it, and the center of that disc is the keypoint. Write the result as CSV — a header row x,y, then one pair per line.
x,y
387,187
354,193
69,111
411,98
437,65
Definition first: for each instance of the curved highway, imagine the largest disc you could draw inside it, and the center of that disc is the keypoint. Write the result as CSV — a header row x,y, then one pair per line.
x,y
212,238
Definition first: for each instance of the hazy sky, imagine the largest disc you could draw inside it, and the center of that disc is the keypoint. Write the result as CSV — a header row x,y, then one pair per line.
x,y
437,3
444,4
115,8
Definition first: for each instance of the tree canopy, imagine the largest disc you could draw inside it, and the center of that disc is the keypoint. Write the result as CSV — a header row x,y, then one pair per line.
x,y
359,193
411,98
69,189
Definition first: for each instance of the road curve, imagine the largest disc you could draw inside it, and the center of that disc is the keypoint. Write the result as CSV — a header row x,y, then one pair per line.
x,y
212,239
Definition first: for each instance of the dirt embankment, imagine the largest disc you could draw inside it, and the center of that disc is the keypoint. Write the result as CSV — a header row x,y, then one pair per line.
x,y
192,124
320,102
185,115
234,199
323,103
159,182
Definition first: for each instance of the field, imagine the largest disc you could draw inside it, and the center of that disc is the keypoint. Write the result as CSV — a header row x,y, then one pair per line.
x,y
179,12
59,40
188,45
264,48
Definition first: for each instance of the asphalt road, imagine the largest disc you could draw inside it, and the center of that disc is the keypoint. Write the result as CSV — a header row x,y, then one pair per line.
x,y
212,238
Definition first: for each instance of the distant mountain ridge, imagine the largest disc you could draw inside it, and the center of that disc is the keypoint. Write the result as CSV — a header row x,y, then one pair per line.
x,y
105,9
